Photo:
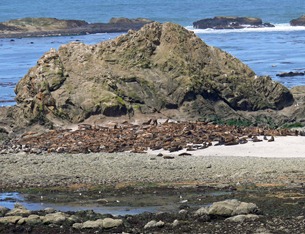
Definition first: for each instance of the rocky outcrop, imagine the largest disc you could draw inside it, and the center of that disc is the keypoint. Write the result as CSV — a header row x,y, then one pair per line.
x,y
298,22
230,22
162,69
35,27
123,20
290,74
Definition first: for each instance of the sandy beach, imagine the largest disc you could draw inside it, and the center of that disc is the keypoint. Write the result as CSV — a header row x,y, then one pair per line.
x,y
281,162
269,174
282,147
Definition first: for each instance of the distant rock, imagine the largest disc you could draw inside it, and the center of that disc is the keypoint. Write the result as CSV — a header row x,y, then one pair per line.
x,y
111,223
289,74
123,20
298,22
230,22
162,68
36,27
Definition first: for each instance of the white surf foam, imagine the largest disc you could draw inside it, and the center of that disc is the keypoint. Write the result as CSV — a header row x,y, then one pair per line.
x,y
277,28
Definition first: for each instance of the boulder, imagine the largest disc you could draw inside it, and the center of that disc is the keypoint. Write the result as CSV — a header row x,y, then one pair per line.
x,y
10,219
54,218
298,22
18,210
232,207
230,22
91,224
3,211
106,223
111,223
162,68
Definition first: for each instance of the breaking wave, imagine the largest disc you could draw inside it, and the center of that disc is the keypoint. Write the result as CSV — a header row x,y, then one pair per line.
x,y
277,28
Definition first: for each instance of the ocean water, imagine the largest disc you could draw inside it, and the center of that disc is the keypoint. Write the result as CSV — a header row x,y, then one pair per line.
x,y
267,51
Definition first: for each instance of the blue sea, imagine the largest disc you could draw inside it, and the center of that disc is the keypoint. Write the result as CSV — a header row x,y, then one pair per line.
x,y
267,51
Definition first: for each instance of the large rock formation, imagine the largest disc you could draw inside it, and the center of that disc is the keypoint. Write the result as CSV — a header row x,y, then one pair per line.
x,y
31,27
161,69
230,22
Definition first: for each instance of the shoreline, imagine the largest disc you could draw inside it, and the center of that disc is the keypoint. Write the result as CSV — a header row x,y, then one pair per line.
x,y
281,147
129,169
178,186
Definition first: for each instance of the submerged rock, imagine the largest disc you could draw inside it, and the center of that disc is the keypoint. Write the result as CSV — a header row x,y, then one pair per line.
x,y
162,68
230,22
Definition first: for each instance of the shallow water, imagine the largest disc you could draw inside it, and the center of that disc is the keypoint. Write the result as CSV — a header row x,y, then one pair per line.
x,y
8,200
125,205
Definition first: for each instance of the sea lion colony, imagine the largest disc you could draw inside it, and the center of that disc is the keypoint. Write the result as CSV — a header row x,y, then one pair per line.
x,y
172,136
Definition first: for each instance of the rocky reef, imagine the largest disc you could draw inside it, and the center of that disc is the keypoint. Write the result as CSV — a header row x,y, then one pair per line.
x,y
230,22
37,27
160,71
158,68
